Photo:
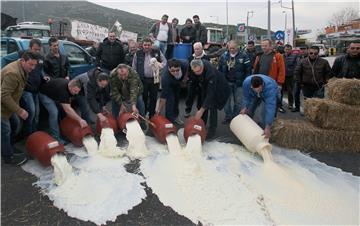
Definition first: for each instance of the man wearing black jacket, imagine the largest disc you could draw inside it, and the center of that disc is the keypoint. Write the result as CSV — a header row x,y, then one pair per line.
x,y
171,87
214,91
110,53
348,65
98,92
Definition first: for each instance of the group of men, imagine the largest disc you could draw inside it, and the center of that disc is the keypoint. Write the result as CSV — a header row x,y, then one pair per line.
x,y
240,83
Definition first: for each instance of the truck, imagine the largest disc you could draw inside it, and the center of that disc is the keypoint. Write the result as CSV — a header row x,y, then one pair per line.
x,y
28,29
215,39
82,33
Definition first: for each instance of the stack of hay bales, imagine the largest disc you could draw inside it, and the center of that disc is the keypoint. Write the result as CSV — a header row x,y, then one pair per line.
x,y
331,124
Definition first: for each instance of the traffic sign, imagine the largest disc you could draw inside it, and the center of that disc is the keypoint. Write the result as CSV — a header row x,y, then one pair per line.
x,y
252,37
279,35
241,28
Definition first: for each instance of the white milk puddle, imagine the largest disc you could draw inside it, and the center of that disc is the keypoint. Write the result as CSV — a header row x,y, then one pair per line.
x,y
194,188
99,189
218,183
224,184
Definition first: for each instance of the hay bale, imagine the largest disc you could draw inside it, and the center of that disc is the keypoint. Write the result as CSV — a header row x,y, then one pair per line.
x,y
346,91
329,114
303,135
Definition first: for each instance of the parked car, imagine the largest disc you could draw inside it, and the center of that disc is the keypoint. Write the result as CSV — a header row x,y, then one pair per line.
x,y
79,59
323,50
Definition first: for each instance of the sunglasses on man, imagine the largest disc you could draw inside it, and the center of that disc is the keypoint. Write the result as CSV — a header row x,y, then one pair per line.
x,y
313,53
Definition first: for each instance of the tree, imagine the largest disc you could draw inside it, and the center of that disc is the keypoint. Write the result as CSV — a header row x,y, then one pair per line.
x,y
343,16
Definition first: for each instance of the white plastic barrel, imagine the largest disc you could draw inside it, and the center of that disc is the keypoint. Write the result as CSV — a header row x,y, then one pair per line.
x,y
250,134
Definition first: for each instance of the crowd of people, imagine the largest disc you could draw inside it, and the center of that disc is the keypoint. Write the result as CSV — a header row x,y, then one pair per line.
x,y
147,80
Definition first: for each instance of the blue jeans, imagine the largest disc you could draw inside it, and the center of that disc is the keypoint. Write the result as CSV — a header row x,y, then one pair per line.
x,y
163,47
8,126
172,107
255,104
115,108
30,102
235,97
53,111
84,108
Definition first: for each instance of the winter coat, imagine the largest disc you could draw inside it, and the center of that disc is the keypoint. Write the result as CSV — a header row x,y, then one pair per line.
x,y
277,68
96,97
290,64
214,88
132,83
240,69
268,95
170,85
110,55
346,67
312,73
200,34
13,81
188,31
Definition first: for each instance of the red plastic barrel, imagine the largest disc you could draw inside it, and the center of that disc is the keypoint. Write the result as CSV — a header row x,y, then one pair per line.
x,y
110,124
71,129
124,118
161,127
42,147
195,126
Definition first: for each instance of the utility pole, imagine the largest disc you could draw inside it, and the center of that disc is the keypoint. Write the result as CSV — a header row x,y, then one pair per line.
x,y
269,20
247,24
227,21
285,20
293,19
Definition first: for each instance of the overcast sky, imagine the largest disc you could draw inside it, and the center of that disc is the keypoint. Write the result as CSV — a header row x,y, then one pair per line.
x,y
308,14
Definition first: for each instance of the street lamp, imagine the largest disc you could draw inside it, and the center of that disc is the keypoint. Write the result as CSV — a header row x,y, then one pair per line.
x,y
285,20
293,18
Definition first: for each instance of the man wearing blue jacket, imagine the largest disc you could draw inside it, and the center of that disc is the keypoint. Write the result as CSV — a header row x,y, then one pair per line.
x,y
236,66
260,89
171,80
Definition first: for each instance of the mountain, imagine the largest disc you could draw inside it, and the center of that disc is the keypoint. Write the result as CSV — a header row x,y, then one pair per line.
x,y
89,12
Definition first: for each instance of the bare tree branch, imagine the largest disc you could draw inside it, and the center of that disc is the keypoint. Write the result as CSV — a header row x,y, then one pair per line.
x,y
343,16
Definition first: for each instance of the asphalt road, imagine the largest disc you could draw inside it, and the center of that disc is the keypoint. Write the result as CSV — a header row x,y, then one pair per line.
x,y
22,203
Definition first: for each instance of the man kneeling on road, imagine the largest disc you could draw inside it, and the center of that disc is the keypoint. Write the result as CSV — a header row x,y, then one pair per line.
x,y
126,90
60,91
171,87
260,91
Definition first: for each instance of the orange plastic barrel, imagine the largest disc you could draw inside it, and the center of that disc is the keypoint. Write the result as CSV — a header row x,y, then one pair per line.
x,y
195,126
124,118
71,129
161,127
111,123
42,147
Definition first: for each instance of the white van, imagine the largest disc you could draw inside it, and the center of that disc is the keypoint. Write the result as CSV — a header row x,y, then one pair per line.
x,y
323,51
